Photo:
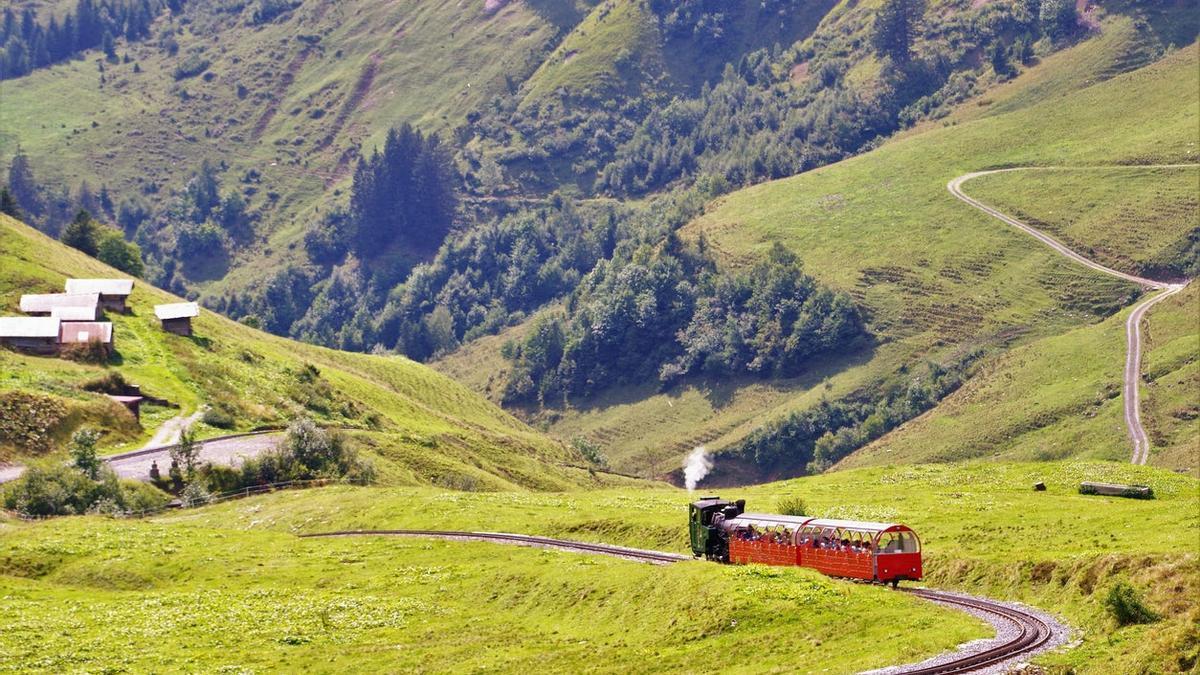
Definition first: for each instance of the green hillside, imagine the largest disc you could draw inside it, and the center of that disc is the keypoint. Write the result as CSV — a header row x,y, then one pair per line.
x,y
423,427
936,277
394,603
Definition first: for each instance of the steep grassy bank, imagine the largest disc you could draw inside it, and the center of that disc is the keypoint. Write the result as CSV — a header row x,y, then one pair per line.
x,y
424,426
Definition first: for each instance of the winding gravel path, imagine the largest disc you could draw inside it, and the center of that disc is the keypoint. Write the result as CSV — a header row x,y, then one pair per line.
x,y
1133,329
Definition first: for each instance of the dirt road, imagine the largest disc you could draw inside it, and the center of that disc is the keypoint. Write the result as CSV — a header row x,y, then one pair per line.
x,y
1133,328
135,465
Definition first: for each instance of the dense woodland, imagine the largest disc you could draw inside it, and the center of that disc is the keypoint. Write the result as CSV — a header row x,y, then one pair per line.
x,y
30,42
665,312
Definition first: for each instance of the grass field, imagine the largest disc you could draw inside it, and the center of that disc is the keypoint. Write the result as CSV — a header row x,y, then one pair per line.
x,y
935,276
326,604
422,426
1060,396
1140,221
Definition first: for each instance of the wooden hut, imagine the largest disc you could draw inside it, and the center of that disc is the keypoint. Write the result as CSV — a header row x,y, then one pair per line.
x,y
31,334
86,332
113,292
177,317
65,306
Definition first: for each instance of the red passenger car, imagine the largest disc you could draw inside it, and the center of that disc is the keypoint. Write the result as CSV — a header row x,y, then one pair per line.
x,y
880,552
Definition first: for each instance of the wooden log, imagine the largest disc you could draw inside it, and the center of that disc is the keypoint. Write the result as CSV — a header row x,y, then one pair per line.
x,y
1116,490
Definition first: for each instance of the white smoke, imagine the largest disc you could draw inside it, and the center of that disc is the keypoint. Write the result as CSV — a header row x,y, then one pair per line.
x,y
696,467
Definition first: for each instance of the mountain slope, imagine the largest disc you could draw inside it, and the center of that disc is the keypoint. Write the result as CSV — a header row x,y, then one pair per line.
x,y
937,278
422,426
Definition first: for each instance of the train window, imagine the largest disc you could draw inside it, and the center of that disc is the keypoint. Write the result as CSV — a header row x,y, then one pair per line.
x,y
898,542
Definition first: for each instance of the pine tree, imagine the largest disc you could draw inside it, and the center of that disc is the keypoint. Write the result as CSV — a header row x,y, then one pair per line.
x,y
8,203
82,234
23,187
895,29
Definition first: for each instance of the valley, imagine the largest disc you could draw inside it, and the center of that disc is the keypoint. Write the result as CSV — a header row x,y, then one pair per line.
x,y
570,270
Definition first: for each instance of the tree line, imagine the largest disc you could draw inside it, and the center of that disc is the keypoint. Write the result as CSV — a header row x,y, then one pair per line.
x,y
29,44
812,440
665,312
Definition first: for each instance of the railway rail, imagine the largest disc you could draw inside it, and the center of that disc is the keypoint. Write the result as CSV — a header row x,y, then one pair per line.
x,y
1026,631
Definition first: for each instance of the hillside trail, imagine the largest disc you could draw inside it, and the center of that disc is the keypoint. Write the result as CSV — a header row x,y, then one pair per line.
x,y
172,429
1133,325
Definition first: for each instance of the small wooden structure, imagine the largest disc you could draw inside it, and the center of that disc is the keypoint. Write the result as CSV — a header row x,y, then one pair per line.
x,y
66,306
113,292
85,332
1116,490
38,335
177,317
131,403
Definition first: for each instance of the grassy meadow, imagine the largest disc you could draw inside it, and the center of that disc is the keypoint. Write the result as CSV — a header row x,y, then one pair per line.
x,y
119,588
1140,221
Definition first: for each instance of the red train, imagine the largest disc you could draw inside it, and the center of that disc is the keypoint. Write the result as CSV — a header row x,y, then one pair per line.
x,y
878,552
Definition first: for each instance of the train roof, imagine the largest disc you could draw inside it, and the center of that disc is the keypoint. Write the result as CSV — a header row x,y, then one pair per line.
x,y
865,525
794,522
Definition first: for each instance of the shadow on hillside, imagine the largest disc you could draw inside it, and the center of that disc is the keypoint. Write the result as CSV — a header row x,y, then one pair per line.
x,y
562,14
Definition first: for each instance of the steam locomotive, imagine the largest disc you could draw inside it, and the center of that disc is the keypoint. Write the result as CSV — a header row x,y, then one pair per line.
x,y
721,530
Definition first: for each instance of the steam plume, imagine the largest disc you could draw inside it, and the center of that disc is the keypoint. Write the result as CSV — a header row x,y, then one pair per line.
x,y
696,467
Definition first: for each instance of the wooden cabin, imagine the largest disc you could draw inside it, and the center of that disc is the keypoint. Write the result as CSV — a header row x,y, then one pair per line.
x,y
177,317
114,293
65,306
38,335
85,332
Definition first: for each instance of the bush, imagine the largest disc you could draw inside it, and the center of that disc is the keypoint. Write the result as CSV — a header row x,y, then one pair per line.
x,y
112,382
28,421
308,452
191,66
1125,606
58,489
590,450
83,452
123,255
195,494
219,416
792,506
92,351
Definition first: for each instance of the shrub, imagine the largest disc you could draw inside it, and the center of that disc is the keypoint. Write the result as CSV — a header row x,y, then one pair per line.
x,y
28,421
123,255
58,489
590,450
195,494
792,506
1125,605
83,452
191,66
92,351
307,453
112,382
219,416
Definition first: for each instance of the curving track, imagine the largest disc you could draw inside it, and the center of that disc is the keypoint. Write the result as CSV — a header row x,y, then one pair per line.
x,y
1019,632
1133,325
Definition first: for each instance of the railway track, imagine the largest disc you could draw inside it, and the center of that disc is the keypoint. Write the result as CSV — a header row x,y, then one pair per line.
x,y
641,555
1027,632
1018,632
